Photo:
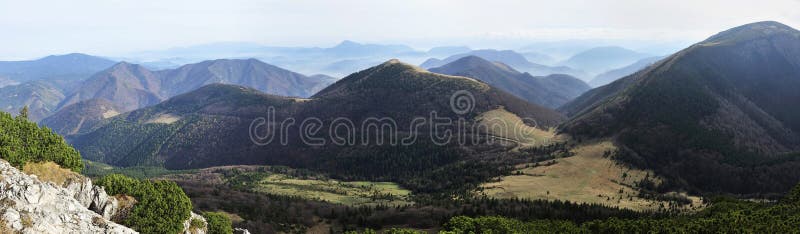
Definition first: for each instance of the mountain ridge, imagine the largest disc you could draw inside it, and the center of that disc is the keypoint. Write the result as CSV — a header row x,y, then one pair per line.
x,y
131,86
550,91
601,59
508,57
74,66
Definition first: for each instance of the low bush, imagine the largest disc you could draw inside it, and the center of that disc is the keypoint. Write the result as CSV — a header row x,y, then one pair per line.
x,y
161,206
23,141
218,223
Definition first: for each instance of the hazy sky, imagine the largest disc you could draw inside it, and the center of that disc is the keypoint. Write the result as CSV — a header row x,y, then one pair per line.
x,y
32,28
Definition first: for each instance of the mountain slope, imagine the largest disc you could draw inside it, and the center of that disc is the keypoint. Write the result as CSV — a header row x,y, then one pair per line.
x,y
41,99
211,126
250,73
80,117
551,91
127,86
55,67
158,134
612,75
4,81
600,59
712,117
508,57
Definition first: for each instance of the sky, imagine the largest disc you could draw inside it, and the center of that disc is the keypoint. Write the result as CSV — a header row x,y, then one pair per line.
x,y
35,28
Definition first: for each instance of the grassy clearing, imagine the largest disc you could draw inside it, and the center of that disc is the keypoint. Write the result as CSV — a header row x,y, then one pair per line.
x,y
164,118
502,123
285,181
587,177
110,114
356,193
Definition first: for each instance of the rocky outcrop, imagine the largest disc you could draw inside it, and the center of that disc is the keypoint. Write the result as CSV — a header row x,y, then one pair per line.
x,y
28,205
201,227
92,197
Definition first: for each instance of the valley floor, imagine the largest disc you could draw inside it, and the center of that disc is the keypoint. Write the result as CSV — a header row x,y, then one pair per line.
x,y
590,176
285,181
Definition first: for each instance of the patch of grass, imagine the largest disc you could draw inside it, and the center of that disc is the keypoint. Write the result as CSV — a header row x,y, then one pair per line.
x,y
591,176
504,124
50,172
309,185
26,220
355,193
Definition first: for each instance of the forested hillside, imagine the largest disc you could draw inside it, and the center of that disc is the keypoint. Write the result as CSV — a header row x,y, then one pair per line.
x,y
711,117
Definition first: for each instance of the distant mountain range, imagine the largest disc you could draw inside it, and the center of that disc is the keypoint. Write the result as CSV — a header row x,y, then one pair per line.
x,y
55,67
601,59
61,81
41,84
127,86
612,75
131,86
508,57
564,49
40,97
349,56
209,126
351,48
715,117
539,58
561,50
339,60
549,91
250,73
448,50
